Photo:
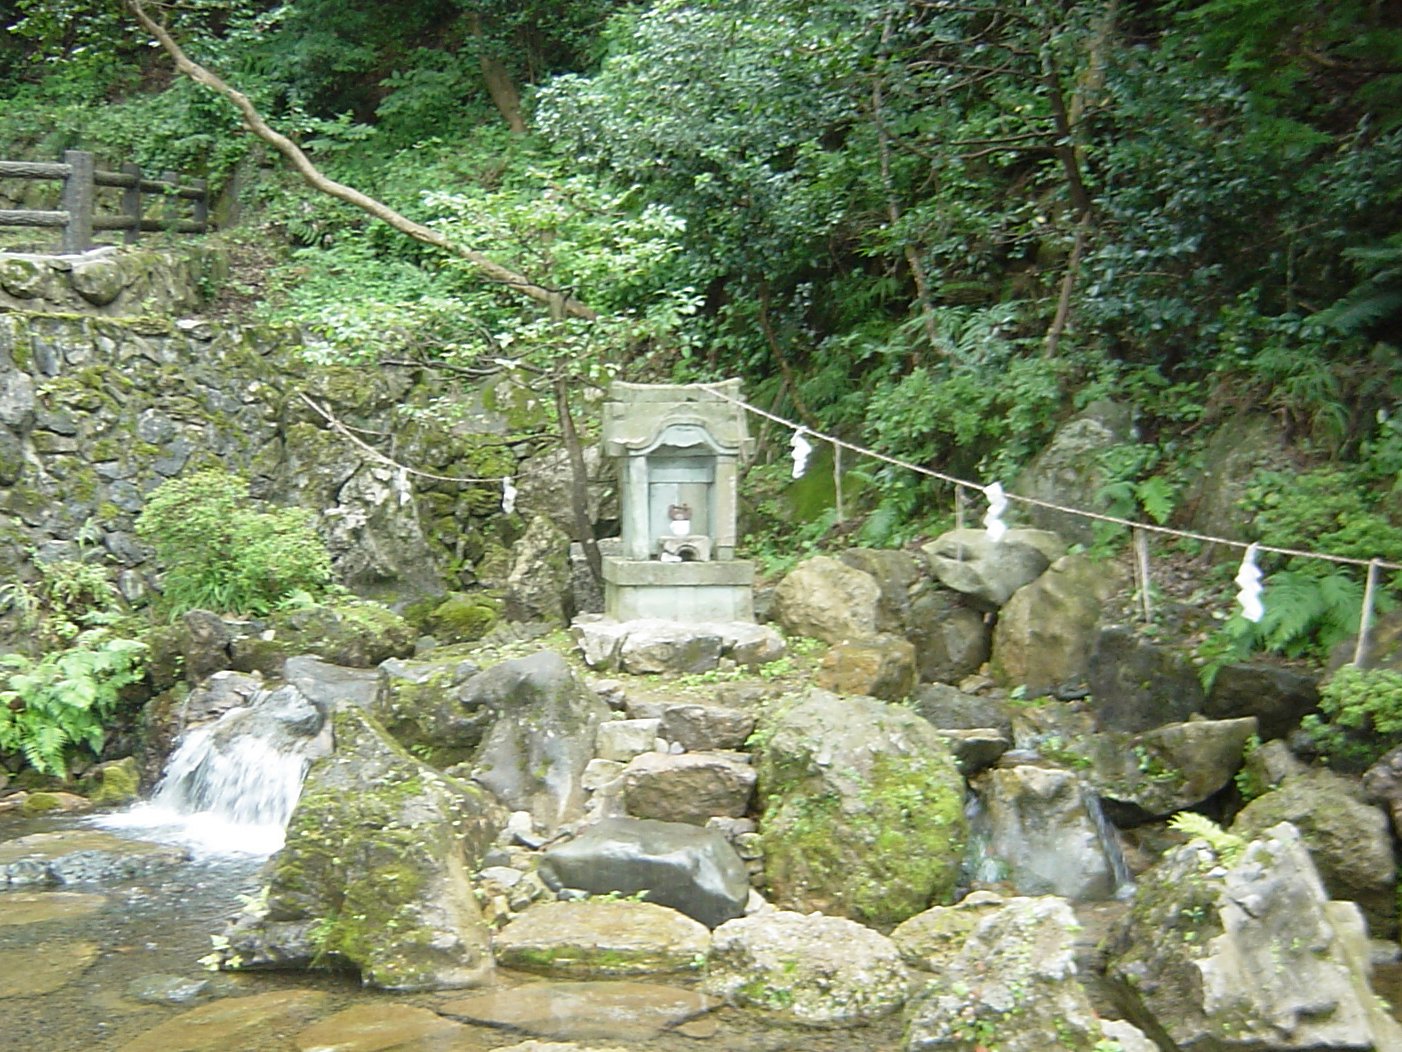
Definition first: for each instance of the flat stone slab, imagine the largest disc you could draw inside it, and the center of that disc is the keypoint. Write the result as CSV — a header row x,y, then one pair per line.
x,y
581,1011
82,856
33,973
35,907
235,1022
595,937
378,1027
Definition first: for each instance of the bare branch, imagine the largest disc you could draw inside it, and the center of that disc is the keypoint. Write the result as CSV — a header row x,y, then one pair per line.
x,y
560,303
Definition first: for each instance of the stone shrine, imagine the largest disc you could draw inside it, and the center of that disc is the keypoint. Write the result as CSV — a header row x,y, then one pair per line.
x,y
678,449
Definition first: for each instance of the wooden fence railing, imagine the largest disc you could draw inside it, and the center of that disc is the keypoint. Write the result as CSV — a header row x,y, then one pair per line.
x,y
81,179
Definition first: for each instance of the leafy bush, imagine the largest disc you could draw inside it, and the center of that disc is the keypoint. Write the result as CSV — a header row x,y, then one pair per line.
x,y
1360,715
69,596
63,699
222,554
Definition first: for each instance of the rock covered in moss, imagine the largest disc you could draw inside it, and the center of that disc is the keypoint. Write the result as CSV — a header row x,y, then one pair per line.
x,y
815,970
463,617
1012,986
932,940
376,870
420,704
359,634
598,937
863,809
114,783
1234,946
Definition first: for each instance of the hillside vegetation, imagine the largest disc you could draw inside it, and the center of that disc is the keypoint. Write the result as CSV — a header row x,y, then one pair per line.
x,y
936,229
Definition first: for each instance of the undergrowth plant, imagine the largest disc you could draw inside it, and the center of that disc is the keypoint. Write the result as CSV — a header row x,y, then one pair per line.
x,y
222,552
61,702
1360,716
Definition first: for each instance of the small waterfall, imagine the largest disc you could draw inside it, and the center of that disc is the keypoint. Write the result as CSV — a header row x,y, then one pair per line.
x,y
230,786
1109,838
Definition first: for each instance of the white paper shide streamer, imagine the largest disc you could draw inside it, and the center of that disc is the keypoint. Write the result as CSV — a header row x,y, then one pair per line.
x,y
508,495
993,518
1248,580
802,449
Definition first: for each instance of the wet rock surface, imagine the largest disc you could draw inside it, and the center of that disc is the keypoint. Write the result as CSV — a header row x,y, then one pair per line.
x,y
82,857
584,1010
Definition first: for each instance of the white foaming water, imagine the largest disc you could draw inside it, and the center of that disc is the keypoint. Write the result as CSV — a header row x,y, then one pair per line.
x,y
230,786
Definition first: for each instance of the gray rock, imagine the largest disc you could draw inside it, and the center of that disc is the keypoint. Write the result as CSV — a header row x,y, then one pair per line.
x,y
1069,470
581,1011
1349,841
896,573
951,639
1236,948
166,989
1277,697
814,970
690,869
539,579
652,647
696,727
828,600
622,740
542,736
329,686
949,708
1383,784
1137,685
932,941
989,572
83,856
1046,631
691,787
430,708
1015,978
207,644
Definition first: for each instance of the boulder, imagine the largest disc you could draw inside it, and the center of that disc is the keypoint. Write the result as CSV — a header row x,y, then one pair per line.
x,y
539,579
882,666
896,574
1234,946
621,740
544,720
670,646
828,600
1171,768
1046,630
1038,826
690,787
932,941
602,938
952,639
1349,841
329,686
1383,784
581,1011
1070,471
1136,685
1277,697
696,727
83,856
863,809
948,708
1235,453
1012,986
421,704
813,970
690,869
376,871
988,572
359,634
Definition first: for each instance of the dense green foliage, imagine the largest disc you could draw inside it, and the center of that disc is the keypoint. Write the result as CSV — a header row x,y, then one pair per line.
x,y
62,701
1360,716
223,553
936,229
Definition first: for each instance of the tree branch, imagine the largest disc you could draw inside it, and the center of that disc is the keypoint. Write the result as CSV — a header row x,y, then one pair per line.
x,y
560,303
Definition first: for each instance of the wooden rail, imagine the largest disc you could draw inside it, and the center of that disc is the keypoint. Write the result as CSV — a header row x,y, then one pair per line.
x,y
81,178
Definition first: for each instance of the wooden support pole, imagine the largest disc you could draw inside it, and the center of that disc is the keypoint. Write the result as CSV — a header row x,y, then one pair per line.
x,y
131,203
837,480
959,507
1365,620
78,201
1141,558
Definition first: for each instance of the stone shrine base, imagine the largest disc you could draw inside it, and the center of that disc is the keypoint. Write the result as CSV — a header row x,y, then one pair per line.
x,y
679,591
650,645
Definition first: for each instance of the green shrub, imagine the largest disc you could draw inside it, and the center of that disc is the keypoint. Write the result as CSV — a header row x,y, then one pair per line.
x,y
1360,716
224,554
62,700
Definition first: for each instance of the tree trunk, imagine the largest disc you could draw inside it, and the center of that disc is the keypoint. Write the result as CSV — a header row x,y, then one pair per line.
x,y
579,481
499,84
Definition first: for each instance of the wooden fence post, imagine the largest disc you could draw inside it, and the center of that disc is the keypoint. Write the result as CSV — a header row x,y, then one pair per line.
x,y
78,191
201,215
131,203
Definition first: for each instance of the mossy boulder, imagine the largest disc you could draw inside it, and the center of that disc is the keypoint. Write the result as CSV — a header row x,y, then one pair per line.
x,y
420,704
113,784
601,937
354,633
375,874
863,809
463,617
